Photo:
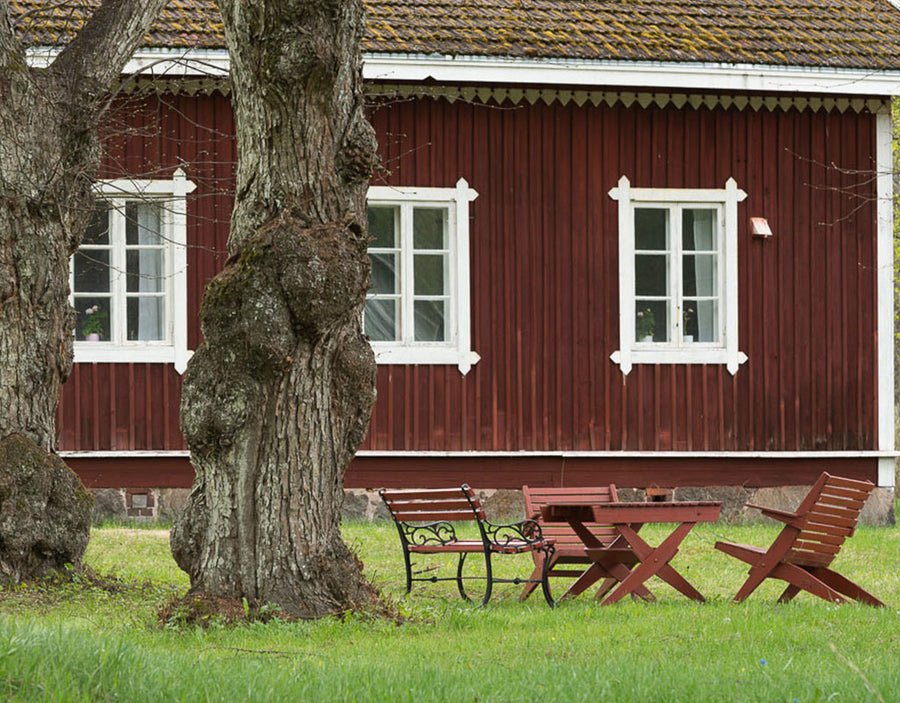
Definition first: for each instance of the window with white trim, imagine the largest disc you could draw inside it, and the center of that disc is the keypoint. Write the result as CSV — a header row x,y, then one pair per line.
x,y
417,307
128,278
678,275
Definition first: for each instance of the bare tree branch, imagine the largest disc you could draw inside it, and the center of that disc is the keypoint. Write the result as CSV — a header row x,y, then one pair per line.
x,y
7,37
106,42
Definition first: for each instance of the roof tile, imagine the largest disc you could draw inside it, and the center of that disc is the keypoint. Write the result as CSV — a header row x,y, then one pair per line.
x,y
837,33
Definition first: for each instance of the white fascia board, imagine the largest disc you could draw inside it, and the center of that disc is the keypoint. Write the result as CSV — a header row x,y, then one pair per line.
x,y
168,63
633,74
698,76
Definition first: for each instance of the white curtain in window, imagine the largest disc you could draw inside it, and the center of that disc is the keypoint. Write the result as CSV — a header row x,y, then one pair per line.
x,y
150,320
704,233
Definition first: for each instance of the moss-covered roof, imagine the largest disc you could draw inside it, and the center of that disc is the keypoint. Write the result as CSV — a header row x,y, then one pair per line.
x,y
837,33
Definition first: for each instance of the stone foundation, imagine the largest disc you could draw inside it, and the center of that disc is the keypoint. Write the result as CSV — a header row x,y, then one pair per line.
x,y
164,504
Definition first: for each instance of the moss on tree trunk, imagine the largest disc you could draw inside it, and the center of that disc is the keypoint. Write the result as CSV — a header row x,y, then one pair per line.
x,y
49,156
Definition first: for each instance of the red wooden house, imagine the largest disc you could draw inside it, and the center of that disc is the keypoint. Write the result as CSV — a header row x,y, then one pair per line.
x,y
644,243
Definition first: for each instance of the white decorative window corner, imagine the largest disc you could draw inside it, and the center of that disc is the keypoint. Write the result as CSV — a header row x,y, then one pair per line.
x,y
678,276
417,309
129,277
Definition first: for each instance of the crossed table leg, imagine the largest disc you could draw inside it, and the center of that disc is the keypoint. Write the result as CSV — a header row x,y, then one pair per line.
x,y
609,562
653,562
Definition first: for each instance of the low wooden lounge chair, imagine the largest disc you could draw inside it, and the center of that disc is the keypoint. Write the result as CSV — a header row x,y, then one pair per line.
x,y
570,558
811,539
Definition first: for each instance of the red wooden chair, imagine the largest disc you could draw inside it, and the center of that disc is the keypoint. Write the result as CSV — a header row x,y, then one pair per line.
x,y
570,559
811,539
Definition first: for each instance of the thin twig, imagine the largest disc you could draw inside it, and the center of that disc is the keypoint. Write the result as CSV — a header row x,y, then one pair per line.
x,y
855,668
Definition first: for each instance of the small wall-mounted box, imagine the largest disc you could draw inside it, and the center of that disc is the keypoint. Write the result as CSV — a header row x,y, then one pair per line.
x,y
759,227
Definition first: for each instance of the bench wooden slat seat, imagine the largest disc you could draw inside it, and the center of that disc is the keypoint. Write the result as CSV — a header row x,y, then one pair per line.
x,y
425,522
570,557
810,540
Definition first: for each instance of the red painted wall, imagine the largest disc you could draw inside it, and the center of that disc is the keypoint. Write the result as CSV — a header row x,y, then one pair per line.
x,y
544,276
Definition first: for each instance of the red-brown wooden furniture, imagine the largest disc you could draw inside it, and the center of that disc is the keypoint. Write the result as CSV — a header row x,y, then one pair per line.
x,y
425,521
570,559
628,518
811,539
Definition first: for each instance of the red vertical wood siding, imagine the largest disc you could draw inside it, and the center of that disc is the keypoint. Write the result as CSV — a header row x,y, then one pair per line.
x,y
544,274
544,278
135,406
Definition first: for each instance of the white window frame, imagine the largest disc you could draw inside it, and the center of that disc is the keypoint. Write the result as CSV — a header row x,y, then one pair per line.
x,y
457,350
725,351
172,193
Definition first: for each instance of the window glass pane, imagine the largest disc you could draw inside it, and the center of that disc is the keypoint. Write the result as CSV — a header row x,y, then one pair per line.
x,y
143,223
429,272
430,317
698,230
383,226
651,229
651,275
384,273
144,271
651,321
380,319
97,232
700,273
706,326
92,318
146,318
91,271
429,228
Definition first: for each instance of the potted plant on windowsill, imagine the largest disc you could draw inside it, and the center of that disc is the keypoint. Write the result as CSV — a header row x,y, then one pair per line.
x,y
92,327
644,325
687,319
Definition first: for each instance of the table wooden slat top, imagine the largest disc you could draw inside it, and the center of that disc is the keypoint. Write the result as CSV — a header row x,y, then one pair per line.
x,y
623,513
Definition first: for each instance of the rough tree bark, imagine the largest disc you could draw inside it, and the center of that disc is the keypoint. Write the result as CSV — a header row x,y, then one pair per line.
x,y
49,153
278,398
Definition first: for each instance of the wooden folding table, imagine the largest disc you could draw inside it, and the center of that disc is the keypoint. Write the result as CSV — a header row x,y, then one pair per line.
x,y
628,518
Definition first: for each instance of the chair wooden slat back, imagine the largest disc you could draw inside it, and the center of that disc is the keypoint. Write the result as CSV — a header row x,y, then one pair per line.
x,y
570,559
830,513
537,498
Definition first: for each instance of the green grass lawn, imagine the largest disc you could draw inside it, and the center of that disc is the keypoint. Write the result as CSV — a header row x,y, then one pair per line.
x,y
101,641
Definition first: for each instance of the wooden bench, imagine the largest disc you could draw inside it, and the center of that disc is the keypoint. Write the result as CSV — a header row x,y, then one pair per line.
x,y
425,521
570,547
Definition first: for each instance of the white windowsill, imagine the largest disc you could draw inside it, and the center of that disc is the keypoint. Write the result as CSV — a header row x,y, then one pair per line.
x,y
143,353
680,356
420,355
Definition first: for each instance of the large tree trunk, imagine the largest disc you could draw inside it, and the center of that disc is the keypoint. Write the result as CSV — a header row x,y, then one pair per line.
x,y
277,399
49,154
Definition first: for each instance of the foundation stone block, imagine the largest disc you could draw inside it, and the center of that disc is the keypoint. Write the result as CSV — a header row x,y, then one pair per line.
x,y
109,504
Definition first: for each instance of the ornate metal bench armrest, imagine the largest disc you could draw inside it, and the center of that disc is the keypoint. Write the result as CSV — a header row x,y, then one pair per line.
x,y
432,533
528,531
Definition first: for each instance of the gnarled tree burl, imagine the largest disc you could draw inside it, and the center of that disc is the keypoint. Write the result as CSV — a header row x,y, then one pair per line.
x,y
277,399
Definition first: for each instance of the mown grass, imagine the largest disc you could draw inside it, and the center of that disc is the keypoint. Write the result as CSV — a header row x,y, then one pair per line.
x,y
99,639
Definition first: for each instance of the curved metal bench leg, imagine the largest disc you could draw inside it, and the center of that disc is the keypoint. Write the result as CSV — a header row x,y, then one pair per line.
x,y
459,576
545,575
489,585
407,560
